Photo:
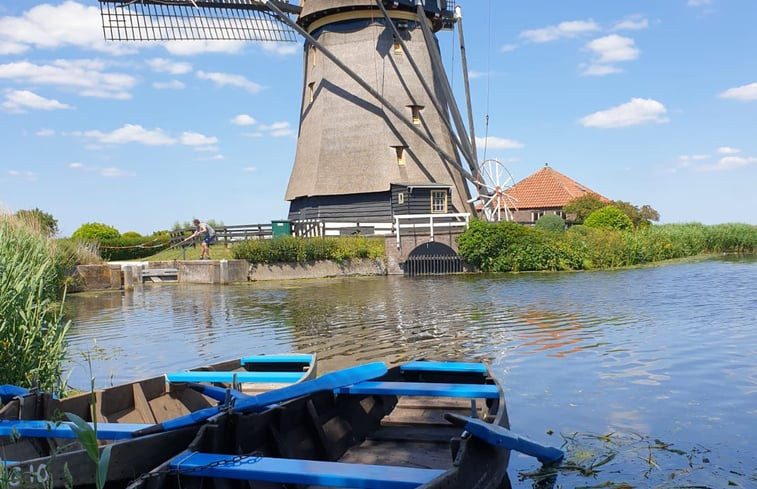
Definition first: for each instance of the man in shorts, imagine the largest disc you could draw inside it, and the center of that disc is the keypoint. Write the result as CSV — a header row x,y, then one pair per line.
x,y
207,240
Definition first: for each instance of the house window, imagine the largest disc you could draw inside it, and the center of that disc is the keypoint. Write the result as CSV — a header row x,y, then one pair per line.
x,y
416,113
401,198
400,151
311,91
438,201
560,213
535,216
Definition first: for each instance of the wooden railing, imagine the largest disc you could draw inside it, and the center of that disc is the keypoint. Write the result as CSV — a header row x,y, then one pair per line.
x,y
225,234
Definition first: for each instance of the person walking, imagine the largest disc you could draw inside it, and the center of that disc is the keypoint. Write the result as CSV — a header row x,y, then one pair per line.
x,y
207,240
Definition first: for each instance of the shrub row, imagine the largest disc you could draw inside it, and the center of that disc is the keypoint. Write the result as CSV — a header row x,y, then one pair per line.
x,y
291,249
506,246
129,247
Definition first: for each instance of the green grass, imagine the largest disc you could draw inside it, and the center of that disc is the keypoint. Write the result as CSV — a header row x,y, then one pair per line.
x,y
217,252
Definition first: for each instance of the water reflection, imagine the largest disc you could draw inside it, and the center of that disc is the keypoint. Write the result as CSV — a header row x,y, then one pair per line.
x,y
666,352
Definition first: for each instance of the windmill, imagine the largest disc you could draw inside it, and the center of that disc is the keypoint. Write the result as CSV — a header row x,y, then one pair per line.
x,y
380,133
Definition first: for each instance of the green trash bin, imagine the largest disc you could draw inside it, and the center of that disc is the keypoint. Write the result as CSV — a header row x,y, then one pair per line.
x,y
281,228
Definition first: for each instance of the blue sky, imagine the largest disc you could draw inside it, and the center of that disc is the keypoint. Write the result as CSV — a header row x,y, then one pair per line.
x,y
648,101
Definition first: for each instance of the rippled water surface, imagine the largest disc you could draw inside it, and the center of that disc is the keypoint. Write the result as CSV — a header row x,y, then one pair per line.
x,y
651,357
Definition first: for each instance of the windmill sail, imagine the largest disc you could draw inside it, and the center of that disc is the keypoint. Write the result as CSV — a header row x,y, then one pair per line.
x,y
169,20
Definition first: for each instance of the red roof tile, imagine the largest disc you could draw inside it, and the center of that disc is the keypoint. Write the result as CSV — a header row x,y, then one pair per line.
x,y
547,188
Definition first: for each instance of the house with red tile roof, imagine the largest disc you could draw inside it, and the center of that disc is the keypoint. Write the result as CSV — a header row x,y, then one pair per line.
x,y
545,192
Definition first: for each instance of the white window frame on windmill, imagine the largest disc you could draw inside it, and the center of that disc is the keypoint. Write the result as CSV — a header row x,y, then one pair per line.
x,y
415,113
313,53
438,201
311,92
399,152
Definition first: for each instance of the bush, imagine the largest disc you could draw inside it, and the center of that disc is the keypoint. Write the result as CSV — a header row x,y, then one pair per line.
x,y
609,217
291,249
95,232
132,248
32,334
550,222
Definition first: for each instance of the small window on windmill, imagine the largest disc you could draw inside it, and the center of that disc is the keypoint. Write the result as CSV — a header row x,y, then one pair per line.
x,y
400,151
401,198
438,201
313,52
416,113
311,91
397,47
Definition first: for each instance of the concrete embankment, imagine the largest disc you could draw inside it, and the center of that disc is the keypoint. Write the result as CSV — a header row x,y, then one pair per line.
x,y
127,275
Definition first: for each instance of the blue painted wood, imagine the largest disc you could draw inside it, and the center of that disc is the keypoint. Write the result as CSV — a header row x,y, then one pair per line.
x,y
502,437
329,381
228,376
470,391
430,366
294,358
48,429
216,393
306,472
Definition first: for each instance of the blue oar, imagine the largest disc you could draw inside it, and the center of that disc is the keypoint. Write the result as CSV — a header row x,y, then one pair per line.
x,y
502,437
216,393
330,381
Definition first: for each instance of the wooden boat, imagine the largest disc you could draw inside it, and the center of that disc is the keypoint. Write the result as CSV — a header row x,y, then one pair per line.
x,y
421,424
37,442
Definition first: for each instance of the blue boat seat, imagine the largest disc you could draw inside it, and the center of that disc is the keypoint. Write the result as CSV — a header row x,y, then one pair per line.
x,y
305,472
50,429
229,376
430,366
470,391
293,358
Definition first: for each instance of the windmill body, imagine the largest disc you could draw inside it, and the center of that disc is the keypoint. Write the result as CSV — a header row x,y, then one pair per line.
x,y
354,158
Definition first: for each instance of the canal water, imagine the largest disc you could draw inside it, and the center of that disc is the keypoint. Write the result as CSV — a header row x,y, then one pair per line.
x,y
646,376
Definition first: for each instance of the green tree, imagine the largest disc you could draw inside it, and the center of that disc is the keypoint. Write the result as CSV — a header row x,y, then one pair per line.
x,y
550,222
47,223
579,208
95,232
649,214
609,217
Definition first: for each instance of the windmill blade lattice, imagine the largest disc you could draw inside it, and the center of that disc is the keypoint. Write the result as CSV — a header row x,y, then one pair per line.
x,y
494,182
169,20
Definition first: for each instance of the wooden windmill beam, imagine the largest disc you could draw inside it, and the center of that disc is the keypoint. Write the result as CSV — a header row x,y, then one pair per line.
x,y
440,110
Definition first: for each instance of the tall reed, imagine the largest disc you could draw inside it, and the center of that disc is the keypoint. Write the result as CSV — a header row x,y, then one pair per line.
x,y
32,332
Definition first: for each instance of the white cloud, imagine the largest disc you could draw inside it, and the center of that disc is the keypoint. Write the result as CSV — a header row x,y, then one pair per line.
x,y
28,176
87,77
632,23
497,143
280,48
108,172
608,50
222,79
197,139
249,169
162,65
44,132
698,3
744,92
562,30
634,112
132,133
477,74
730,163
727,150
507,48
189,48
20,100
243,120
48,26
600,70
169,85
278,129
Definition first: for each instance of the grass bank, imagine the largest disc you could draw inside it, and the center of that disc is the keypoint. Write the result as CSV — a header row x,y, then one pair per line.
x,y
34,271
507,247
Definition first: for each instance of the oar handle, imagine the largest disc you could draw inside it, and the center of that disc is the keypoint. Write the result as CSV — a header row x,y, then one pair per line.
x,y
502,437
